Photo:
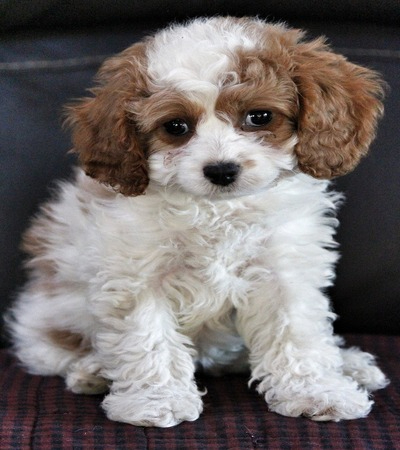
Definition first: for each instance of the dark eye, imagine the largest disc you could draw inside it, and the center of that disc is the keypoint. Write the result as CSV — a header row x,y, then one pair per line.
x,y
176,127
258,118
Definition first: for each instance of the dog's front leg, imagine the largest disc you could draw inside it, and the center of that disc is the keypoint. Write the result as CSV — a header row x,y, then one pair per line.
x,y
149,364
293,353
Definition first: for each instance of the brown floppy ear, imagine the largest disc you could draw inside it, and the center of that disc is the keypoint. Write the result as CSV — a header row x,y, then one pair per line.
x,y
104,135
340,104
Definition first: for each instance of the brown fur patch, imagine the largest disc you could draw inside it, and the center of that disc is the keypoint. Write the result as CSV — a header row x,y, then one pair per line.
x,y
262,86
332,104
104,135
152,112
69,340
340,104
37,240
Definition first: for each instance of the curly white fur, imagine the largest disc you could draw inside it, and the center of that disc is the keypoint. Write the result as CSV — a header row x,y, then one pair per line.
x,y
192,274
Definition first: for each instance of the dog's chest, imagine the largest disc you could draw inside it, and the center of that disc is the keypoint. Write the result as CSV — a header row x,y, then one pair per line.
x,y
209,252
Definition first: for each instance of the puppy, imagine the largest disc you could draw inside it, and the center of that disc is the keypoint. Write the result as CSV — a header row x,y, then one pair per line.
x,y
199,231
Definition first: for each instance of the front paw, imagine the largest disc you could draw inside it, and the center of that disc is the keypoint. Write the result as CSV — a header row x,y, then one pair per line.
x,y
154,407
322,402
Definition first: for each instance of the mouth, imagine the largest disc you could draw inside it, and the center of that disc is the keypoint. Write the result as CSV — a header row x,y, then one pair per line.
x,y
230,187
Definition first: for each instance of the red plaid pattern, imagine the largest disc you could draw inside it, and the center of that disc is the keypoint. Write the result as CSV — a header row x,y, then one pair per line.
x,y
38,413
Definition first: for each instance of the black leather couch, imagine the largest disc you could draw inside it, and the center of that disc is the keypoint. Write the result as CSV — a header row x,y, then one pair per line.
x,y
49,53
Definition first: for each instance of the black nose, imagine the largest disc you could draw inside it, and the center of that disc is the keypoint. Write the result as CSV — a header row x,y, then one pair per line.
x,y
222,173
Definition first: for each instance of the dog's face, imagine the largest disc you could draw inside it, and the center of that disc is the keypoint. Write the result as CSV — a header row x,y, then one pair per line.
x,y
225,107
234,139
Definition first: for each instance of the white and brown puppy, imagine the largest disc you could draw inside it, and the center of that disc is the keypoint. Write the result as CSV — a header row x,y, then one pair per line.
x,y
231,128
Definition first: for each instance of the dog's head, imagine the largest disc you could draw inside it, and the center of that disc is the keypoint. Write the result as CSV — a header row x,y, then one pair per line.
x,y
225,106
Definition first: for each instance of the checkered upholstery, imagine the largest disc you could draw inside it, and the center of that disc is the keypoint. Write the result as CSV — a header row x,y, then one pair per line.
x,y
38,413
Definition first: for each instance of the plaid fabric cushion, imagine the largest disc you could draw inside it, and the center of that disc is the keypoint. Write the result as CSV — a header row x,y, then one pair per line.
x,y
38,413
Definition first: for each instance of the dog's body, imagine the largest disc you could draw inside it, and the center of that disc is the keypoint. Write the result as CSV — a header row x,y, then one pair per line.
x,y
223,262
